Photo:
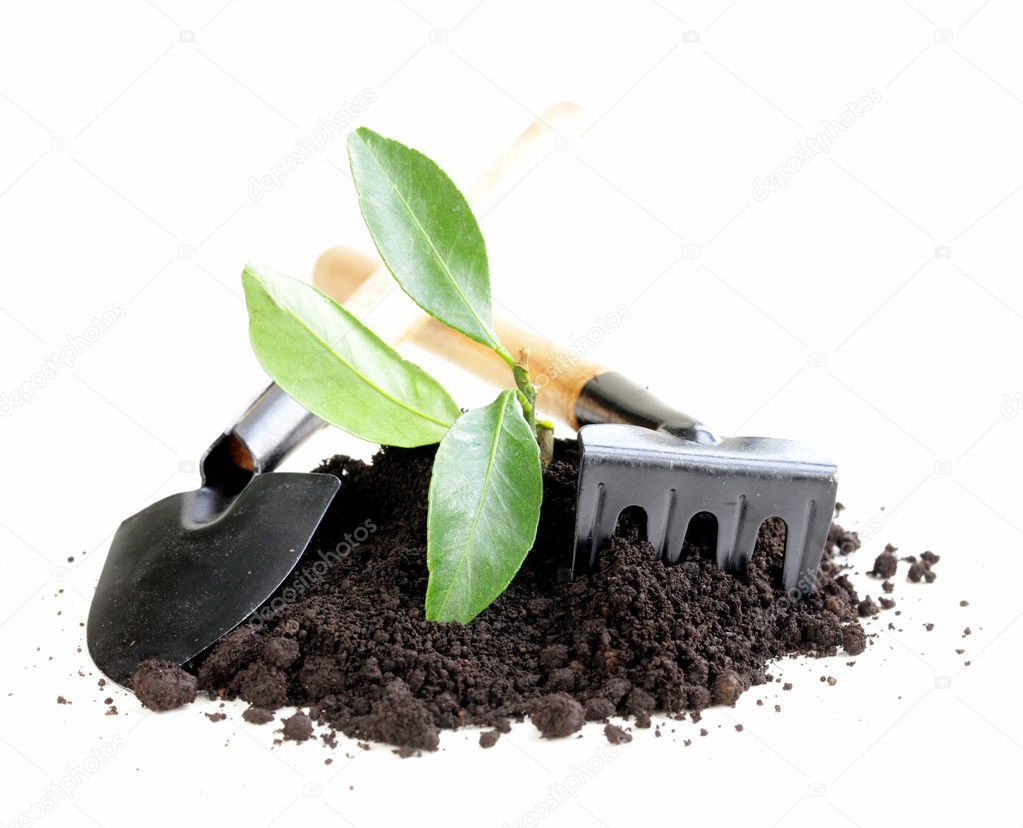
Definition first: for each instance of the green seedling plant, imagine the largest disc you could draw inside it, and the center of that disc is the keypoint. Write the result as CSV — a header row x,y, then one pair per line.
x,y
486,485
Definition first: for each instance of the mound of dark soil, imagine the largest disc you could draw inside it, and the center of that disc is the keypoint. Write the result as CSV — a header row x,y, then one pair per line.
x,y
348,640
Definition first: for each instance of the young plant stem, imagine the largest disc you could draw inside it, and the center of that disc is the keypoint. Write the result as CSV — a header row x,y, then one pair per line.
x,y
545,439
526,393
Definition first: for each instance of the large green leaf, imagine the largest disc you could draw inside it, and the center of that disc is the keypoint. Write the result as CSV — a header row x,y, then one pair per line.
x,y
485,495
425,232
339,369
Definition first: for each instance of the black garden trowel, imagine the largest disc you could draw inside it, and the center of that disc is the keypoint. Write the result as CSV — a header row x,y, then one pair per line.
x,y
186,570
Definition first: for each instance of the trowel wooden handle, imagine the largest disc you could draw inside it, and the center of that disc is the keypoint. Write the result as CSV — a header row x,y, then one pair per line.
x,y
561,374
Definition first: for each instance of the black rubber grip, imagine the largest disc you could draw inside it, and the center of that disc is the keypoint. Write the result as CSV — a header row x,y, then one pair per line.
x,y
614,398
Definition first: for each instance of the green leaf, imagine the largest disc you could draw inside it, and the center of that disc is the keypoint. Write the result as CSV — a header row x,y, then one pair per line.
x,y
425,232
485,494
339,369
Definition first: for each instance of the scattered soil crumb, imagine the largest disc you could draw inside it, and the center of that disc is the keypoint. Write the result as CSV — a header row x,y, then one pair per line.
x,y
886,563
867,608
257,715
163,685
557,715
616,735
488,738
298,727
854,640
920,570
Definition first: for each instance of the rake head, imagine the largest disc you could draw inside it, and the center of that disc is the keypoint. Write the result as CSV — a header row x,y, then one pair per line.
x,y
742,481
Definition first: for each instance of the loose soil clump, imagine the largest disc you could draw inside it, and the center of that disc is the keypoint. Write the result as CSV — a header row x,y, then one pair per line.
x,y
616,735
557,715
163,685
349,642
298,727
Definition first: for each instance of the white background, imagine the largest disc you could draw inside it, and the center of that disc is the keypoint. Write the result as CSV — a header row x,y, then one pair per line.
x,y
873,306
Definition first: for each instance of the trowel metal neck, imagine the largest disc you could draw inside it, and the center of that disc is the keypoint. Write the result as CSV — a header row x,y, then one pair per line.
x,y
263,435
613,398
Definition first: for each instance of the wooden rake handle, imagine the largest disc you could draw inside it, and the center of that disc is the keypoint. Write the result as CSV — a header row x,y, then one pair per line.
x,y
573,390
342,272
